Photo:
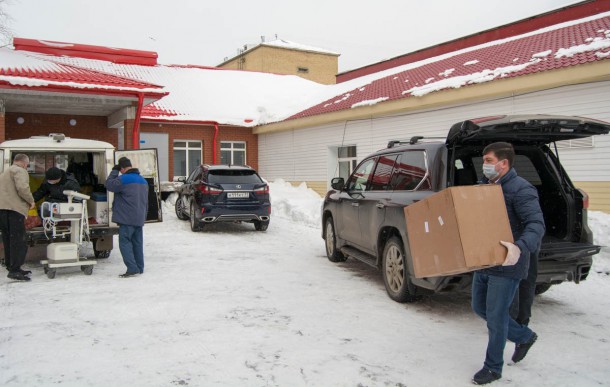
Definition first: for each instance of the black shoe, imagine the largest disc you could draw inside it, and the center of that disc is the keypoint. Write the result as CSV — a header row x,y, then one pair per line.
x,y
128,274
521,349
485,376
25,272
18,276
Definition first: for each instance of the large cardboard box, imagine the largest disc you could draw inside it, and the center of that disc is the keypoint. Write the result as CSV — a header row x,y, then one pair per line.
x,y
458,230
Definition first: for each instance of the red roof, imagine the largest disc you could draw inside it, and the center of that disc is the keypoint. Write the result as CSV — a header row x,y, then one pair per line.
x,y
110,54
530,53
23,70
564,14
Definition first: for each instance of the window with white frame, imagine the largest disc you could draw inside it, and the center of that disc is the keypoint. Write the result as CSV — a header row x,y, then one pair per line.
x,y
233,152
586,142
187,156
346,156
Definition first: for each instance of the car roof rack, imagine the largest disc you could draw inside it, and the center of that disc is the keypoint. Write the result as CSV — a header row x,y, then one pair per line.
x,y
411,141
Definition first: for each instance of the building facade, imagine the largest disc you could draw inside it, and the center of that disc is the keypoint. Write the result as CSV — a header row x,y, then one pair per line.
x,y
557,68
283,57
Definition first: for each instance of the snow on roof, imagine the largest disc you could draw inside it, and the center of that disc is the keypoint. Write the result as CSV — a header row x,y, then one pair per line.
x,y
246,98
296,46
281,43
562,45
19,68
230,97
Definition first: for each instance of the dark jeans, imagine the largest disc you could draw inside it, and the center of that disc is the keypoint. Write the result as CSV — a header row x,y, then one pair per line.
x,y
491,299
131,244
12,226
521,309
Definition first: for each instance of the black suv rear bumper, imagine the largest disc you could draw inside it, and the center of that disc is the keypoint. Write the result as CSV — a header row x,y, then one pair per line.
x,y
555,272
214,214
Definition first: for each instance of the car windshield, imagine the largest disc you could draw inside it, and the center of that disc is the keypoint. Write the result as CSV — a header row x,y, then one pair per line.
x,y
233,176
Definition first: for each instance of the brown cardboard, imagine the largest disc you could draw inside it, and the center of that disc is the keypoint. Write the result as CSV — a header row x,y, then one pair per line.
x,y
458,230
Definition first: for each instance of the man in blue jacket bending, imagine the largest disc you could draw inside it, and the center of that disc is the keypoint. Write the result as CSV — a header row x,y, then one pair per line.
x,y
129,210
493,289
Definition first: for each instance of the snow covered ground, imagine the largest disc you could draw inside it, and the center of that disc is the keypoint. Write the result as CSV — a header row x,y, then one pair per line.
x,y
234,307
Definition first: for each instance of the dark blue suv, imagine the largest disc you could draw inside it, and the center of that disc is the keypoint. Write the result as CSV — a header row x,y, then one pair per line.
x,y
224,193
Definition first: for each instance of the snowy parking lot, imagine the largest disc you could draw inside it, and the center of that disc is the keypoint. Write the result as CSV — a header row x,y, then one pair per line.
x,y
231,306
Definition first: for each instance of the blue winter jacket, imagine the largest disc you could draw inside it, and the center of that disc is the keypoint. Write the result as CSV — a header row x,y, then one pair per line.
x,y
130,203
526,223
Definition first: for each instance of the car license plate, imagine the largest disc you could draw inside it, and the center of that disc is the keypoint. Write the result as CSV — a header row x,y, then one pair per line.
x,y
238,195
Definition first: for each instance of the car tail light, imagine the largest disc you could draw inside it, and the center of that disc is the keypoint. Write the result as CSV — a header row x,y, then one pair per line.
x,y
262,190
206,189
585,199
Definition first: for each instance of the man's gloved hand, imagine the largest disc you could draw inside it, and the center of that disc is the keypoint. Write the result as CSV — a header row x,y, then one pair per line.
x,y
116,168
513,254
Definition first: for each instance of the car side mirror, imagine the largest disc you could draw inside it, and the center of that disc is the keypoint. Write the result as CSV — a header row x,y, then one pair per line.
x,y
337,183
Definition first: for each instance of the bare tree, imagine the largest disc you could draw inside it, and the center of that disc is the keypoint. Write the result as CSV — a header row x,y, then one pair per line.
x,y
5,32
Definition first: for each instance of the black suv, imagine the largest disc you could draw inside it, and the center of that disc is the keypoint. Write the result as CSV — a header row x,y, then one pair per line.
x,y
223,193
363,218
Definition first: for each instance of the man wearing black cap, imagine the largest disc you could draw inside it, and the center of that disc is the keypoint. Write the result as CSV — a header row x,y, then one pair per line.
x,y
54,184
129,209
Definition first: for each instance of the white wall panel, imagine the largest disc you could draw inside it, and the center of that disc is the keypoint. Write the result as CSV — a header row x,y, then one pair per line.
x,y
305,154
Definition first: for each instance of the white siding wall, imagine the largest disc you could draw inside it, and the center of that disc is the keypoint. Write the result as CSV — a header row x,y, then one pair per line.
x,y
309,154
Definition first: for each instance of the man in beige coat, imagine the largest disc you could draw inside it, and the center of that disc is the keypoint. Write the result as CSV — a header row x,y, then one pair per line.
x,y
15,202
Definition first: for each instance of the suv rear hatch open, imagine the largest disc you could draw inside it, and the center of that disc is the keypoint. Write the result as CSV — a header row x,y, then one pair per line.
x,y
567,246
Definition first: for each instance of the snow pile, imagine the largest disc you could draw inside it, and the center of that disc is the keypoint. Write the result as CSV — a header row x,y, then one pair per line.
x,y
459,81
597,44
300,204
599,222
369,102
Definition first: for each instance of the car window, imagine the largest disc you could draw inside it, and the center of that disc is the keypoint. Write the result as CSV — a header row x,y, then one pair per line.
x,y
383,173
233,176
359,179
195,175
410,172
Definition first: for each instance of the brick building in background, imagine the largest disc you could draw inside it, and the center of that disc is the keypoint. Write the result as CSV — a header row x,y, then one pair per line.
x,y
105,93
283,57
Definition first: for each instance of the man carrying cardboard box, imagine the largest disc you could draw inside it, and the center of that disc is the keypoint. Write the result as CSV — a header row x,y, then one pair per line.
x,y
493,289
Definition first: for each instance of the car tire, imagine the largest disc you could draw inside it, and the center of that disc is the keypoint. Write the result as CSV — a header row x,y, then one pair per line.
x,y
332,253
195,224
100,254
180,209
260,225
395,274
541,288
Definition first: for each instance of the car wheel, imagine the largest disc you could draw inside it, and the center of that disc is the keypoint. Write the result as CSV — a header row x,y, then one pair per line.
x,y
180,209
395,275
541,288
261,225
100,254
332,253
195,225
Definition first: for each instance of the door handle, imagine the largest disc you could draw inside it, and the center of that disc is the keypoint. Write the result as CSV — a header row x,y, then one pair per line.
x,y
380,205
355,204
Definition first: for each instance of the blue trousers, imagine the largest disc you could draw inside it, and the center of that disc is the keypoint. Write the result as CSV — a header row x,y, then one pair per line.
x,y
131,244
491,299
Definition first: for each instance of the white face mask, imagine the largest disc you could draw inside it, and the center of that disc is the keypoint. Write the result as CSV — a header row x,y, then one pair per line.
x,y
489,170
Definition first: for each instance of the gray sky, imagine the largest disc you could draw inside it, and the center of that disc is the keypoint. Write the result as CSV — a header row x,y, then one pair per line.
x,y
204,32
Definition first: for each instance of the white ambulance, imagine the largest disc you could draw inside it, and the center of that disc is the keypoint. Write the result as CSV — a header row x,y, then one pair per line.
x,y
90,162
